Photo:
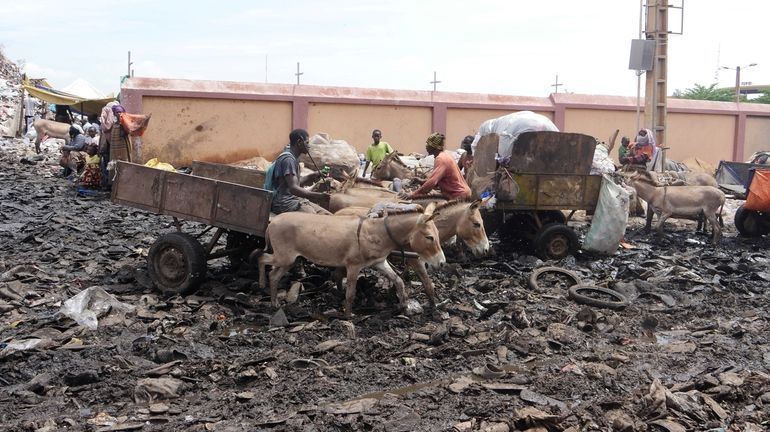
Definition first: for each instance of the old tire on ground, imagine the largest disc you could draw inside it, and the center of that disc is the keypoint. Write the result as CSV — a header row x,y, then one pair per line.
x,y
533,283
749,222
555,241
578,293
177,263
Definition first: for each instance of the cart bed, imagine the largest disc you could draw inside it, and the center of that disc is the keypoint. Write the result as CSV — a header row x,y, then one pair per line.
x,y
213,202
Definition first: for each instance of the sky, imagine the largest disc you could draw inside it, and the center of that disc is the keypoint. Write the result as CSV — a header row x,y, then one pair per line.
x,y
509,47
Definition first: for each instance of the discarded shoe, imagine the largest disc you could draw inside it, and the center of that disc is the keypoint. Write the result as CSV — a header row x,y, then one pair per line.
x,y
489,371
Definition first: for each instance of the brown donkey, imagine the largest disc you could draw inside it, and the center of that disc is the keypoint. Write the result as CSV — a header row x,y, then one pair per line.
x,y
454,218
350,242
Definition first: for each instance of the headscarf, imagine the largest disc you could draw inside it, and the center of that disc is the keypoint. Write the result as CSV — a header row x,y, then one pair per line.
x,y
117,109
647,139
435,141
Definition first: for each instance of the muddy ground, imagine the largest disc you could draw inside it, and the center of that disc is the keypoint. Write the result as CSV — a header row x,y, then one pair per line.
x,y
690,352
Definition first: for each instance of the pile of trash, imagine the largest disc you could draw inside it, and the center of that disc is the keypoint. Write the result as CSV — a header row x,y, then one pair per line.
x,y
10,96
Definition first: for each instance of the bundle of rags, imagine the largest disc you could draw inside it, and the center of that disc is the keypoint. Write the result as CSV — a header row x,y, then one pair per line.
x,y
338,155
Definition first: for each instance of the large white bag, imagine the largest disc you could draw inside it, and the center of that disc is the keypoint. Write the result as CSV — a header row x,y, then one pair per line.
x,y
610,218
509,127
338,155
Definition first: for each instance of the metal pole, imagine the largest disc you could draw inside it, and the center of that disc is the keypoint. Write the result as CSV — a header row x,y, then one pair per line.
x,y
738,84
639,73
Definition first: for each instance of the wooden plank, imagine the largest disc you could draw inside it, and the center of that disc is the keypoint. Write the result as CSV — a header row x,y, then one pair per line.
x,y
554,192
138,186
552,153
229,173
199,199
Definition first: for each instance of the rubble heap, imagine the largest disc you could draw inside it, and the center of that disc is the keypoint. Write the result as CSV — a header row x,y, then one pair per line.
x,y
10,95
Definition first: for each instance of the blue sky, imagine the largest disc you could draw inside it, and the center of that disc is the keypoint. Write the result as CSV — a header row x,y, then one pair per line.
x,y
487,46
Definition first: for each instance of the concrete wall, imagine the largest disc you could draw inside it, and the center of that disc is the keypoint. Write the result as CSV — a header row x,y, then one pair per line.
x,y
708,137
228,121
403,127
601,123
757,135
214,130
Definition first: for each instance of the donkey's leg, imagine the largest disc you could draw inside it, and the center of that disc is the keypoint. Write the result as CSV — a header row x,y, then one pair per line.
x,y
350,291
263,261
714,221
387,270
427,283
281,265
661,220
337,276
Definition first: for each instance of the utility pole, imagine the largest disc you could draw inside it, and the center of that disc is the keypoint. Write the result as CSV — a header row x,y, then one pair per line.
x,y
655,108
129,73
556,85
298,73
434,82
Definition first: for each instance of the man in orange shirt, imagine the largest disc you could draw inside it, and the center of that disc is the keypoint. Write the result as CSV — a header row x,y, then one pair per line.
x,y
446,175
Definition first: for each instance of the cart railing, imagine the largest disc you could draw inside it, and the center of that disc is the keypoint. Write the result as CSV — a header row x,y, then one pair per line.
x,y
554,192
213,202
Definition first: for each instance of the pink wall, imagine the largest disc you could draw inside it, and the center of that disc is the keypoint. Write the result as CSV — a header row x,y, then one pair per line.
x,y
454,114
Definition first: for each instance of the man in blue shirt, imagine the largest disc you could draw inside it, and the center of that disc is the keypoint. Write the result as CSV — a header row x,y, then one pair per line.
x,y
289,194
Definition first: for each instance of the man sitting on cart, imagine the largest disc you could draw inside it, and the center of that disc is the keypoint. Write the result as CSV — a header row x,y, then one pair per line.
x,y
446,174
288,194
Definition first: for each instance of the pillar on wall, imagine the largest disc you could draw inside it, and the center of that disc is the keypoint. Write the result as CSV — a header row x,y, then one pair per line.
x,y
740,137
439,118
299,113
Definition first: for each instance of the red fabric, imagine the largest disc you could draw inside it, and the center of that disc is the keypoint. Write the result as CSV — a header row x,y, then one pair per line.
x,y
758,198
134,124
446,175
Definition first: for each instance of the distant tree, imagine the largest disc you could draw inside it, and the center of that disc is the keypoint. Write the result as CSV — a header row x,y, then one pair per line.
x,y
764,99
712,93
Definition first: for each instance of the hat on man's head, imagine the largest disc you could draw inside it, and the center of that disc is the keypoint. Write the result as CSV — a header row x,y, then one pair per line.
x,y
118,108
436,141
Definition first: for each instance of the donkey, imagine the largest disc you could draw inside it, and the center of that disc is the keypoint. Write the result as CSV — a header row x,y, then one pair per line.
x,y
684,178
455,218
350,242
679,201
52,129
392,167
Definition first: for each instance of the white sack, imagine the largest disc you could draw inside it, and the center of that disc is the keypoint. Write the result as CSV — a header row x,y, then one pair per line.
x,y
336,154
510,126
602,163
610,218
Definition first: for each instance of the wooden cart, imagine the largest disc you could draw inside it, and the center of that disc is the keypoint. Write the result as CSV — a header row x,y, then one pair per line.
x,y
736,179
216,195
551,170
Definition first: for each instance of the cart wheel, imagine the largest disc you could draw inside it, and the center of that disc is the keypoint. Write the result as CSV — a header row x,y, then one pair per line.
x,y
177,263
246,243
555,241
748,222
550,216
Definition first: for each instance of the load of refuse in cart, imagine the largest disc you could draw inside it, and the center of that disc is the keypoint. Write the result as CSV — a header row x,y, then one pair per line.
x,y
525,143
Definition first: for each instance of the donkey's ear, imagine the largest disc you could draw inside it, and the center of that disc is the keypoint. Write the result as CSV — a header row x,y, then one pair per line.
x,y
429,213
475,204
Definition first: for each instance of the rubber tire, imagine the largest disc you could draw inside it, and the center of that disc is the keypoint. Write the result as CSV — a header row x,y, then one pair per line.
x,y
551,269
551,216
749,223
574,294
176,263
555,241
